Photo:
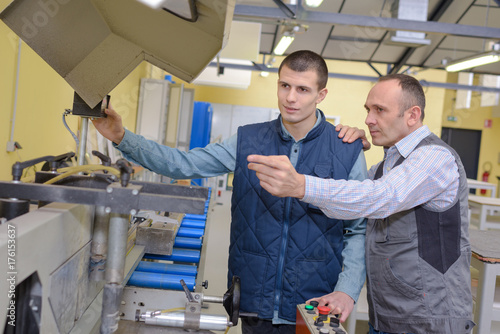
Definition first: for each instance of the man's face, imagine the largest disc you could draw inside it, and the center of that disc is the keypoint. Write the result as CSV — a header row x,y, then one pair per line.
x,y
384,121
298,95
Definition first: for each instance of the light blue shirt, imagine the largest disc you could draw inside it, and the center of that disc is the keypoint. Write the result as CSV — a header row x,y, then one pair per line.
x,y
220,158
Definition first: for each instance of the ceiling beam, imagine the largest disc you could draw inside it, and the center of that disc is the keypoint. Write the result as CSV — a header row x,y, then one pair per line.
x,y
259,13
285,9
445,85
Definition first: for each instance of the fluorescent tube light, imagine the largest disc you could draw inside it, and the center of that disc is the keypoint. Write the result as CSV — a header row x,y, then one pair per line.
x,y
479,60
313,3
283,44
155,4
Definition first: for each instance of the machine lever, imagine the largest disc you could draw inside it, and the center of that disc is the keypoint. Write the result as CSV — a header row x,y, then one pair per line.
x,y
54,164
125,171
18,167
106,161
189,296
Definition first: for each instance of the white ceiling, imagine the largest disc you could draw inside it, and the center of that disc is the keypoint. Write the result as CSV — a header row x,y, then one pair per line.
x,y
358,30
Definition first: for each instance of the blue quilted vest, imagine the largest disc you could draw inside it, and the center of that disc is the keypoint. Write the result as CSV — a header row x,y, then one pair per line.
x,y
285,251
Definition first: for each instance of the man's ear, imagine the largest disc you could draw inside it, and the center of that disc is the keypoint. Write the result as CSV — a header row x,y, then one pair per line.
x,y
414,116
321,95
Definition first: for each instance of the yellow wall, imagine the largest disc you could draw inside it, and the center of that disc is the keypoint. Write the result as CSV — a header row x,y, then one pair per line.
x,y
43,96
474,118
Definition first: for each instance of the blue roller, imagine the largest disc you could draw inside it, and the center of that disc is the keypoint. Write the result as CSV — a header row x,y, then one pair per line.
x,y
193,223
178,255
190,216
190,232
190,243
167,268
160,281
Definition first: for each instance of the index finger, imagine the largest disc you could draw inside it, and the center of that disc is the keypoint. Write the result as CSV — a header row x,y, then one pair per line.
x,y
262,159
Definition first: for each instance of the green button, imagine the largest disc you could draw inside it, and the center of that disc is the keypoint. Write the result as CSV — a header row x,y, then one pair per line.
x,y
309,307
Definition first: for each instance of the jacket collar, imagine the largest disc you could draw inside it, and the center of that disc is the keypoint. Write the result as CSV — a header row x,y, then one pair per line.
x,y
313,133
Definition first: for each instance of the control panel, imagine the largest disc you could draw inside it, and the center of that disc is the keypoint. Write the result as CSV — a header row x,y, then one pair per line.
x,y
314,319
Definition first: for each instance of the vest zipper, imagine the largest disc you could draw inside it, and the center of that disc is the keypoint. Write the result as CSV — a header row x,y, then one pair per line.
x,y
281,261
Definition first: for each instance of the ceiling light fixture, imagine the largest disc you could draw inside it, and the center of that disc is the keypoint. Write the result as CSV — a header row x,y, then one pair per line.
x,y
313,3
474,61
284,43
155,4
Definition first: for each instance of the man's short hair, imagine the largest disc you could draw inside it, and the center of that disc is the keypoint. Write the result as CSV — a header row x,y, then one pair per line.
x,y
413,93
305,60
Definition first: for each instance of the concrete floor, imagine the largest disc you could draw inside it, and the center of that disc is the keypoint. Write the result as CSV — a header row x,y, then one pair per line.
x,y
217,246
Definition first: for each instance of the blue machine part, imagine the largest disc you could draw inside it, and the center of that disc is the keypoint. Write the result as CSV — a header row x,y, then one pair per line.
x,y
178,255
201,127
160,281
189,243
191,216
190,232
167,268
193,223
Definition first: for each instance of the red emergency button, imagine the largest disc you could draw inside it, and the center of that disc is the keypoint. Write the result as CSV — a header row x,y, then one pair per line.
x,y
323,310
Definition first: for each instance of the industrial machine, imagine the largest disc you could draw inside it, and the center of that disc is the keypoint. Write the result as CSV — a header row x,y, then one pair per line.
x,y
97,253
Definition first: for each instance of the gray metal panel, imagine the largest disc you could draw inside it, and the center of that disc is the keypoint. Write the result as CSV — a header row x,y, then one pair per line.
x,y
45,239
71,290
477,15
94,45
452,43
266,43
303,41
372,8
388,53
348,51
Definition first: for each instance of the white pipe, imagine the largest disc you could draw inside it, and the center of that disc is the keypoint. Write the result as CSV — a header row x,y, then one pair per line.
x,y
84,129
13,121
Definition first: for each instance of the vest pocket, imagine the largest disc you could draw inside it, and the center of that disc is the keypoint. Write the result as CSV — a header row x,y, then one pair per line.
x,y
253,270
393,297
323,170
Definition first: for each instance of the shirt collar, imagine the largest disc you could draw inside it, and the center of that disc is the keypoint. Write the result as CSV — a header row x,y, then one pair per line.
x,y
287,134
406,145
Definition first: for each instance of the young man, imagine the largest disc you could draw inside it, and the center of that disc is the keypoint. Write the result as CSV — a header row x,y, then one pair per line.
x,y
417,245
281,259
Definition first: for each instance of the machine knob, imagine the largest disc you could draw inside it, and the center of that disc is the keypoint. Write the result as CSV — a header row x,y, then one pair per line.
x,y
334,322
314,303
324,331
205,284
319,322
